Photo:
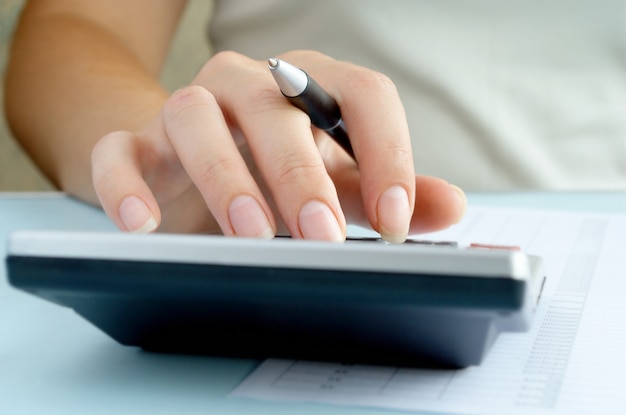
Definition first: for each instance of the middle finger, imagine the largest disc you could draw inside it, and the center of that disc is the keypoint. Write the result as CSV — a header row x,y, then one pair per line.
x,y
282,143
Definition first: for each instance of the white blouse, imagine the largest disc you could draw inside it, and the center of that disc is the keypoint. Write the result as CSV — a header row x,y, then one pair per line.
x,y
499,94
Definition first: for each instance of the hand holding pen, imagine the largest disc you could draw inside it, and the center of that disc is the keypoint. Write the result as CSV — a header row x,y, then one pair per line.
x,y
231,153
303,92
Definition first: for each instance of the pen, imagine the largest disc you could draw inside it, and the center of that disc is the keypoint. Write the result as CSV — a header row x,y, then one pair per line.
x,y
303,92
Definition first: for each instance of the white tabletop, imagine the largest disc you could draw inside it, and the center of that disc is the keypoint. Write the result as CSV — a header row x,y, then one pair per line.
x,y
54,362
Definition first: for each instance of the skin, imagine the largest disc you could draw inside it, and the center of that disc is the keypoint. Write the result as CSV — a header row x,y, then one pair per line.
x,y
225,154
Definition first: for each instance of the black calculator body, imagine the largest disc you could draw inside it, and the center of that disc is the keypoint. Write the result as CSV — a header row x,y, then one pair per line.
x,y
362,301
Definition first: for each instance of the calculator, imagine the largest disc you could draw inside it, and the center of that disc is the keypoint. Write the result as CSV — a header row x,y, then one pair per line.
x,y
420,303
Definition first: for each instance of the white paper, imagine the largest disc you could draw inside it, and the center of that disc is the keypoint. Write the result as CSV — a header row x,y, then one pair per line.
x,y
573,361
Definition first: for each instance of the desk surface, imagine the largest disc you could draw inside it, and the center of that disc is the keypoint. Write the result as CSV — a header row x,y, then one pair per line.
x,y
52,361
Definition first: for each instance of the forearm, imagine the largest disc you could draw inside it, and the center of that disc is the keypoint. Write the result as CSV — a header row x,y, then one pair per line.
x,y
69,82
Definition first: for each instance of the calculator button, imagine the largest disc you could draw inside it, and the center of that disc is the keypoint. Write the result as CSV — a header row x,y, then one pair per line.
x,y
408,241
477,245
451,244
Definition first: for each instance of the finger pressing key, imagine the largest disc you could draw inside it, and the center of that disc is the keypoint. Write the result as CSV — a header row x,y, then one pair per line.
x,y
280,138
198,132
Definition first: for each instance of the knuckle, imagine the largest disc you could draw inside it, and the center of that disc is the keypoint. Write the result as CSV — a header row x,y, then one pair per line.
x,y
305,56
399,154
186,99
188,96
259,101
106,145
294,170
223,60
262,96
218,170
371,80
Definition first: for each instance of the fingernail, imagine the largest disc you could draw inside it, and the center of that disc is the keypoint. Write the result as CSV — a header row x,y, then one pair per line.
x,y
318,222
462,200
394,214
136,216
248,218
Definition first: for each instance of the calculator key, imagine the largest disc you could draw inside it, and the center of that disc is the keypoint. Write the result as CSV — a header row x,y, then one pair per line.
x,y
450,244
494,246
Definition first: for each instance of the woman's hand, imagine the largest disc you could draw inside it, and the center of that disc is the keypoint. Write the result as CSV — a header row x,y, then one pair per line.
x,y
230,154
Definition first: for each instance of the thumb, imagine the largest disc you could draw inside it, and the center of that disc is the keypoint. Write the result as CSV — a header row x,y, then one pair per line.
x,y
119,184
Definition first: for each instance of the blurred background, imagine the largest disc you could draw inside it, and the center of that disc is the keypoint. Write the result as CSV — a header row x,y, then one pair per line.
x,y
189,51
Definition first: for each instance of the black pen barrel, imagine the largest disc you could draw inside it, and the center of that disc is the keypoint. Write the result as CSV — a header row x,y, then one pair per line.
x,y
324,112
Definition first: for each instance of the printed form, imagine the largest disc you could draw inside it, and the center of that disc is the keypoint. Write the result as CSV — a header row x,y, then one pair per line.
x,y
573,361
